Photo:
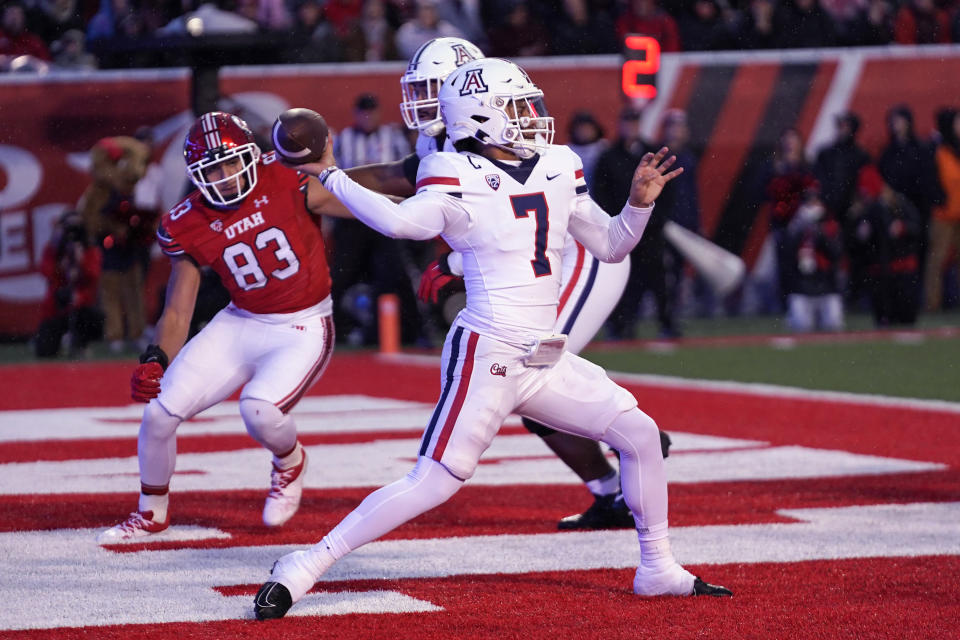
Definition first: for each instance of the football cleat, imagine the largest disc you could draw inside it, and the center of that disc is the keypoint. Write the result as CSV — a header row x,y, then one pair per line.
x,y
273,601
665,443
286,487
140,524
606,512
701,588
674,581
294,574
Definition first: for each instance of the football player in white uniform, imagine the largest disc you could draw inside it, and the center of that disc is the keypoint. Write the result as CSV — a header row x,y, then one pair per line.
x,y
505,201
590,288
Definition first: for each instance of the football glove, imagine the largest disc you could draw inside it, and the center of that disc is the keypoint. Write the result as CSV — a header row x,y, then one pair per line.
x,y
145,382
437,279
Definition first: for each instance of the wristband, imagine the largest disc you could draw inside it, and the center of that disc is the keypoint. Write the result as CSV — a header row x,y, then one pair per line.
x,y
324,175
154,353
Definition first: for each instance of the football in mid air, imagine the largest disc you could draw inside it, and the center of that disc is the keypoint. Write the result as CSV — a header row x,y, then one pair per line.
x,y
299,136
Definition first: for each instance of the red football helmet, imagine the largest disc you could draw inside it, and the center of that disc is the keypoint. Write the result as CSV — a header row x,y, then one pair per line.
x,y
221,157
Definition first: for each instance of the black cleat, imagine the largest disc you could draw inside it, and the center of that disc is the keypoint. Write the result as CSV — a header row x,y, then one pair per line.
x,y
701,588
606,512
665,443
273,601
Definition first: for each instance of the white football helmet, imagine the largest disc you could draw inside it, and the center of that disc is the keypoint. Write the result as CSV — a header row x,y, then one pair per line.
x,y
494,101
420,83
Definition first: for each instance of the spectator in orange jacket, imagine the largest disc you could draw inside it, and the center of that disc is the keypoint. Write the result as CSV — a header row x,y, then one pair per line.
x,y
945,226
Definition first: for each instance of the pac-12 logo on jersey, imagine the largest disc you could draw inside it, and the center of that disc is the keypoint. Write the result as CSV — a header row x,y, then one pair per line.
x,y
493,179
462,54
473,83
217,225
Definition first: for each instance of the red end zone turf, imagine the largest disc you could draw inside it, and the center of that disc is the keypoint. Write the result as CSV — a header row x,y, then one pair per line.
x,y
905,591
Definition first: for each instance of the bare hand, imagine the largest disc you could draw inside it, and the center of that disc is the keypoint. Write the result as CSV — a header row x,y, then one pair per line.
x,y
650,177
314,168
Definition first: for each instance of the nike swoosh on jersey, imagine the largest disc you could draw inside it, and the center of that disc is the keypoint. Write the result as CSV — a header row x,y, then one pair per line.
x,y
553,176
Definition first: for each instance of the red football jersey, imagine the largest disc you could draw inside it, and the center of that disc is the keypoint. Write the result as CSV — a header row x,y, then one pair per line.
x,y
268,250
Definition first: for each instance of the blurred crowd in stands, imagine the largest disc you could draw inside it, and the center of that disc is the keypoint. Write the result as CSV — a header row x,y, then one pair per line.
x,y
85,34
847,231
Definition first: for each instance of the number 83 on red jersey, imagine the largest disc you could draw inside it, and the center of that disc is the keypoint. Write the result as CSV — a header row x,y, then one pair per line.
x,y
267,250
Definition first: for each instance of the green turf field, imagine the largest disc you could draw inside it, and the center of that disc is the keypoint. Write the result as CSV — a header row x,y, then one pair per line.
x,y
916,368
927,369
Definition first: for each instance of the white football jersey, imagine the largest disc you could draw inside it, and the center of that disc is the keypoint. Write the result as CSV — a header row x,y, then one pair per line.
x,y
518,213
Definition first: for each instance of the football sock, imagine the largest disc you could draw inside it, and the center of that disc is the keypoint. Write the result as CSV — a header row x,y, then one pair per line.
x,y
643,476
605,486
289,460
656,554
156,503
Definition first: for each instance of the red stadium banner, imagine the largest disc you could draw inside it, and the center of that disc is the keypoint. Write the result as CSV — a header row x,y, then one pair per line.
x,y
737,103
49,125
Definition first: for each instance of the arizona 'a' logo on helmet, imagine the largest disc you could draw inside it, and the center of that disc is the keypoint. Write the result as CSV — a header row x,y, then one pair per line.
x,y
221,156
495,102
473,83
427,70
462,55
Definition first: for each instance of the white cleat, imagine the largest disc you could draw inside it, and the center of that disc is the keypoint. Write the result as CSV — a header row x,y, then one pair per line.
x,y
140,524
675,581
295,572
286,487
672,581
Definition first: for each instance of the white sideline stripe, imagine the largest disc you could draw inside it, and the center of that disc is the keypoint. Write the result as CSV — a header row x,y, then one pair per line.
x,y
744,388
783,391
73,577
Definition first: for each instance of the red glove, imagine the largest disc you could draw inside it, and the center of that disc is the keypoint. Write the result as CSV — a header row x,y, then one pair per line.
x,y
145,383
436,279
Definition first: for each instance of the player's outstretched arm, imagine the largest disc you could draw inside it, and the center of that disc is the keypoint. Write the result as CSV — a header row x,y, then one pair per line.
x,y
611,239
385,177
388,178
419,218
172,330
